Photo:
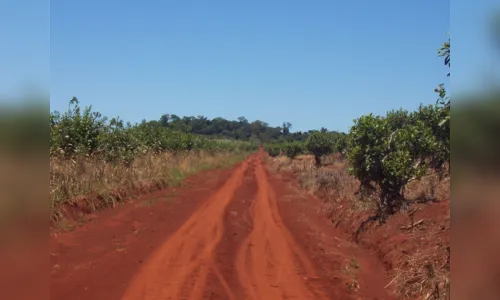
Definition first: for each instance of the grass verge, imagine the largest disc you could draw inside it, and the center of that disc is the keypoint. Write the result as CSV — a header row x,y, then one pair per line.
x,y
88,185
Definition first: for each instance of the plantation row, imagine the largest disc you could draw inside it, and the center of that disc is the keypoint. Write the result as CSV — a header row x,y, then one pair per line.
x,y
318,143
389,150
87,133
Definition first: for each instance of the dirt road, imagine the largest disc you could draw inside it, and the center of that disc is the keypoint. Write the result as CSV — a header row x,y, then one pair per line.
x,y
238,234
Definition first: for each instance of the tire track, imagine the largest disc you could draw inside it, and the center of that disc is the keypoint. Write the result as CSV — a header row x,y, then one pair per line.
x,y
237,224
269,263
179,268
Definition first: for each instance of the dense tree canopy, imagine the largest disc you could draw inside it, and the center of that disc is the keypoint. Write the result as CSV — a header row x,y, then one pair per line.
x,y
241,129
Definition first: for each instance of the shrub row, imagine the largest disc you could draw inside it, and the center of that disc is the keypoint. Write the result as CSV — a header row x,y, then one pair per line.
x,y
389,151
318,143
88,133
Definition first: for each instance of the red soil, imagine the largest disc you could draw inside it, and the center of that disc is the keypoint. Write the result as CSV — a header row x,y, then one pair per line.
x,y
226,235
399,246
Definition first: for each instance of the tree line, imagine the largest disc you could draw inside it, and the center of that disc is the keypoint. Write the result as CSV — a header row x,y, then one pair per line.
x,y
240,129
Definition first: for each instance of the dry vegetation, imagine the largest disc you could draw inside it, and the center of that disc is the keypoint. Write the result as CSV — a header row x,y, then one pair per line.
x,y
96,162
93,184
413,244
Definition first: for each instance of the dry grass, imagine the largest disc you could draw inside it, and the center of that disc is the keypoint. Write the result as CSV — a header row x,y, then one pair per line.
x,y
423,275
423,272
70,179
432,187
331,182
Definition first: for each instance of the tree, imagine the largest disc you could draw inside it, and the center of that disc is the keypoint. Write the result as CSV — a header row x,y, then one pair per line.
x,y
243,120
286,128
164,119
319,144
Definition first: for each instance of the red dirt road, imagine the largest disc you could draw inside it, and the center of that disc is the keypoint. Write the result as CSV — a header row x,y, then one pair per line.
x,y
237,234
266,266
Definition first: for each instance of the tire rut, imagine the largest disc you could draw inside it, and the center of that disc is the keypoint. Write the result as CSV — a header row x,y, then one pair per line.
x,y
179,268
267,263
237,225
239,244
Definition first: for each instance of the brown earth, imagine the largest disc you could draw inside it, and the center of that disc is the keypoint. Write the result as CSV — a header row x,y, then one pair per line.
x,y
230,234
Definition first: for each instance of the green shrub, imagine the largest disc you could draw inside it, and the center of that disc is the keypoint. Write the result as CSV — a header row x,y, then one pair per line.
x,y
319,144
75,132
432,116
390,151
292,149
117,143
273,149
340,143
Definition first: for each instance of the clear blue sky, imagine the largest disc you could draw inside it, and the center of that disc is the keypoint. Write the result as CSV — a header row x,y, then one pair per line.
x,y
24,47
313,63
476,63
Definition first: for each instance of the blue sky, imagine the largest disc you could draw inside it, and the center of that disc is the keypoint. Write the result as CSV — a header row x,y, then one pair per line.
x,y
24,47
312,63
476,63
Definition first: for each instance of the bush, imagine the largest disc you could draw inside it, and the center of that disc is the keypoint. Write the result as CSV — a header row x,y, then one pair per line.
x,y
117,144
292,149
340,143
319,144
75,132
390,151
273,149
432,116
